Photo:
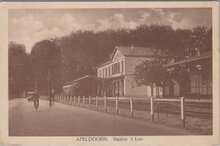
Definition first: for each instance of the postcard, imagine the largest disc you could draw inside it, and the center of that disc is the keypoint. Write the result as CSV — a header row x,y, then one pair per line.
x,y
109,73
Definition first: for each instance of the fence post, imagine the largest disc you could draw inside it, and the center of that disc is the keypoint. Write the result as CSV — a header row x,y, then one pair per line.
x,y
79,100
72,100
152,108
182,99
158,110
105,104
116,105
131,107
89,101
83,101
97,103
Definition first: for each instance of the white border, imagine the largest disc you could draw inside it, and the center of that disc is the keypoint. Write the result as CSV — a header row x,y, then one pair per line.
x,y
148,140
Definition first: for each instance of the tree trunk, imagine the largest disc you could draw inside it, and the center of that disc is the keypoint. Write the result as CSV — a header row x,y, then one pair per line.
x,y
152,89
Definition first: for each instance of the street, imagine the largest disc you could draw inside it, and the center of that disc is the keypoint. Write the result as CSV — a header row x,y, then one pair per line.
x,y
66,120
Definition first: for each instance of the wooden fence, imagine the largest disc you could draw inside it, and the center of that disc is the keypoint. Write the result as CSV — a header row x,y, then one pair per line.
x,y
179,107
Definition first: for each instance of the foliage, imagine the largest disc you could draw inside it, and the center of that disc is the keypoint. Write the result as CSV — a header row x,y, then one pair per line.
x,y
182,43
19,73
151,72
79,53
47,63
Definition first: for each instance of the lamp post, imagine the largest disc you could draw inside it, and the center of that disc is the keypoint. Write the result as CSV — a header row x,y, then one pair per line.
x,y
199,67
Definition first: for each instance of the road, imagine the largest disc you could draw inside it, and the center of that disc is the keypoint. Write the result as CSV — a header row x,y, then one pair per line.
x,y
66,120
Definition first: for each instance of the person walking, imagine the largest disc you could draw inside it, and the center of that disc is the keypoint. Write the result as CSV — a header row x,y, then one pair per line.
x,y
36,100
51,98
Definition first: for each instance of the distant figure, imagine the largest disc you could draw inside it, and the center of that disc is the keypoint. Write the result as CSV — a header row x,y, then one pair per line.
x,y
36,100
51,98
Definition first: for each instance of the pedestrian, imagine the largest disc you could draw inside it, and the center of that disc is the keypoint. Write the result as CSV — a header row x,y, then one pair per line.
x,y
36,100
51,98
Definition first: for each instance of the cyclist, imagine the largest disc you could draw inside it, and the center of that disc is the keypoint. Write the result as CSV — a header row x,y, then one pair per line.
x,y
36,100
51,98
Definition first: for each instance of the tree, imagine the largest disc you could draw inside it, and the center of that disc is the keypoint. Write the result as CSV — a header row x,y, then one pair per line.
x,y
47,62
19,72
151,72
172,45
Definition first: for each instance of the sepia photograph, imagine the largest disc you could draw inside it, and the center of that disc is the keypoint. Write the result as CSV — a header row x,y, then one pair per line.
x,y
122,72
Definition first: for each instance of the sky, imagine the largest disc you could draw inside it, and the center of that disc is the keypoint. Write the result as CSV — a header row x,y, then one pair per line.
x,y
28,26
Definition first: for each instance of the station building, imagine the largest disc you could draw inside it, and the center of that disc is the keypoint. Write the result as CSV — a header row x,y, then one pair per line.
x,y
117,75
83,86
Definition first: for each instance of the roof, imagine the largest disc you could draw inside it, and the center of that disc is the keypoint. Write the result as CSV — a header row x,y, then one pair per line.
x,y
130,51
85,77
190,59
79,79
133,51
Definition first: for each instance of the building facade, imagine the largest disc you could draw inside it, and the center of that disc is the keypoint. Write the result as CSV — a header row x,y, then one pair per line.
x,y
197,80
117,75
83,86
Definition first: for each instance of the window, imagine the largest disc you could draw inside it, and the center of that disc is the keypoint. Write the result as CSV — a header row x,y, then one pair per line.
x,y
109,73
122,66
116,68
105,72
199,85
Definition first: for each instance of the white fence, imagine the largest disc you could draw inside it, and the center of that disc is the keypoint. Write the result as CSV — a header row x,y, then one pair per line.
x,y
125,102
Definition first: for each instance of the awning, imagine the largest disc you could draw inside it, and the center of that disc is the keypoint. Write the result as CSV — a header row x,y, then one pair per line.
x,y
191,59
84,78
112,78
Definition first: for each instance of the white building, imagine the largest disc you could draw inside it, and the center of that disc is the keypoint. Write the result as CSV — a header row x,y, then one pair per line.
x,y
117,74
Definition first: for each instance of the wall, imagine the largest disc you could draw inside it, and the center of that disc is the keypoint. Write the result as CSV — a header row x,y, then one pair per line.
x,y
131,88
132,62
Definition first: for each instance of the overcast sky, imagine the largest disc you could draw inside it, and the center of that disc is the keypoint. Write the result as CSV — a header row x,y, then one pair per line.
x,y
32,25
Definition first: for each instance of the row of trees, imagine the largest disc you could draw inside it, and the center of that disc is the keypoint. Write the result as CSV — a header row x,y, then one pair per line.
x,y
19,64
60,59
